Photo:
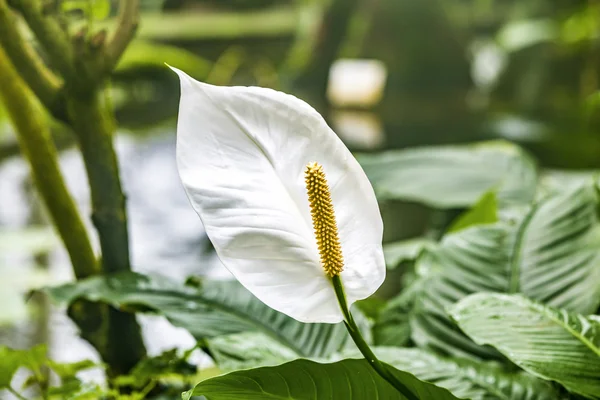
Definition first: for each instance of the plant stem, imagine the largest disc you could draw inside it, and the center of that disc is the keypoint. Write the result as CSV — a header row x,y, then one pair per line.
x,y
49,33
36,144
16,394
44,83
93,126
364,348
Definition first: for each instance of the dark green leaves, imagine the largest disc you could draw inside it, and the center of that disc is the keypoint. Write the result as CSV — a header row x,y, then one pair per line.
x,y
466,378
548,342
556,256
307,380
551,254
217,308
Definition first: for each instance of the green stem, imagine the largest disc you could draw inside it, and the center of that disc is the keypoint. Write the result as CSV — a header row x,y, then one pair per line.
x,y
37,146
364,348
49,33
16,394
93,126
40,79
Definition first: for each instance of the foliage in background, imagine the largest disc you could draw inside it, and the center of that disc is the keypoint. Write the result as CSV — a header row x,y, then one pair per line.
x,y
497,308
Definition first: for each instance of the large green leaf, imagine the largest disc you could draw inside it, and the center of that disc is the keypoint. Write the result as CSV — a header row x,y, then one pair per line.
x,y
552,254
548,342
556,256
404,250
248,350
470,261
216,308
307,380
453,176
466,378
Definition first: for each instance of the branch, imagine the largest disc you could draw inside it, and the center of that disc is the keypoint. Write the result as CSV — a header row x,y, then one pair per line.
x,y
44,83
36,144
50,34
129,18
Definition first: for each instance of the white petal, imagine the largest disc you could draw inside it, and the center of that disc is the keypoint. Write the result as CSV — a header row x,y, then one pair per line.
x,y
241,154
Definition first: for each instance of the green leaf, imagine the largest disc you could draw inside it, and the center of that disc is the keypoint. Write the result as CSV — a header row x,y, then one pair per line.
x,y
482,213
404,250
168,363
10,364
550,255
217,308
100,9
307,380
548,342
453,176
555,258
392,327
518,35
12,359
470,261
248,350
466,378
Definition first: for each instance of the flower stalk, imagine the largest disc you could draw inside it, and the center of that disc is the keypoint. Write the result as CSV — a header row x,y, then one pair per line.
x,y
362,345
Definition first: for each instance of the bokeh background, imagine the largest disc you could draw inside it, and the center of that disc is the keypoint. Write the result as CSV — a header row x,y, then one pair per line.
x,y
386,74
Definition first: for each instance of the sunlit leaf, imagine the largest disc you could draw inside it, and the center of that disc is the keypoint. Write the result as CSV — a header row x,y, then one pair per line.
x,y
466,378
12,359
307,380
548,342
485,211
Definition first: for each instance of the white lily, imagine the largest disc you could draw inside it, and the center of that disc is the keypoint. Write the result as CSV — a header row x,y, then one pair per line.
x,y
242,154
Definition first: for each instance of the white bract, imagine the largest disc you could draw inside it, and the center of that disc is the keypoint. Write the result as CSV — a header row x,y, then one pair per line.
x,y
241,155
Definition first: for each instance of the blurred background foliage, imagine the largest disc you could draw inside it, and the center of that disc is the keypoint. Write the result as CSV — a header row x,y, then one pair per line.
x,y
458,72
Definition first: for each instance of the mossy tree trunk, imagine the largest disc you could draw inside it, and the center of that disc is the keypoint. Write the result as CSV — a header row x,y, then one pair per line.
x,y
72,93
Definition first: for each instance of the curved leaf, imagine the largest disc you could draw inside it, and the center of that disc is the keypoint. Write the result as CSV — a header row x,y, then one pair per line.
x,y
469,261
217,308
404,250
556,257
307,380
548,342
453,176
248,350
466,378
551,255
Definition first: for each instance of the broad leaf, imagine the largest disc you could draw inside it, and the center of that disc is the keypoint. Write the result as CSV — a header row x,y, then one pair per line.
x,y
307,380
392,327
248,350
552,255
548,342
466,378
217,308
485,211
404,250
453,176
470,261
556,256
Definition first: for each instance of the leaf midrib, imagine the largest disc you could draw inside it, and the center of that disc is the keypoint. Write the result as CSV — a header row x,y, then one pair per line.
x,y
229,310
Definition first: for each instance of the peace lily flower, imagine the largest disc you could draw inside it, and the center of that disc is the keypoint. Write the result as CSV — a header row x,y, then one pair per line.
x,y
285,204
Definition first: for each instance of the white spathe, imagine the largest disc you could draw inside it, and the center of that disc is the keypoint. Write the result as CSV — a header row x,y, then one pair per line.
x,y
241,155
